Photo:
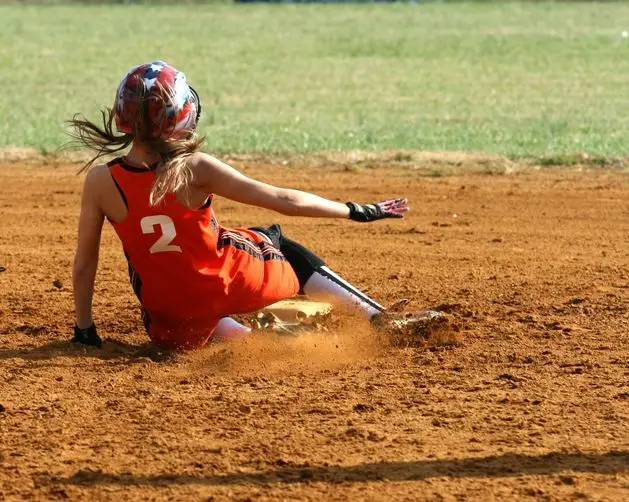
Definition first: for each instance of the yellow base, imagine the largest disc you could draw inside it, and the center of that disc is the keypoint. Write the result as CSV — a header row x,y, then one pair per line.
x,y
296,309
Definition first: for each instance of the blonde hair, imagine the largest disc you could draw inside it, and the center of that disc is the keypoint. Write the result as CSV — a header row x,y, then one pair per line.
x,y
173,173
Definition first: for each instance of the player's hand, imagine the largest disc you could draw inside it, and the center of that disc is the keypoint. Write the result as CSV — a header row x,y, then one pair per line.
x,y
87,336
392,208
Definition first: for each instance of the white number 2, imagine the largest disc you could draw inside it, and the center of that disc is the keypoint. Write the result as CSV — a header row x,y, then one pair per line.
x,y
148,224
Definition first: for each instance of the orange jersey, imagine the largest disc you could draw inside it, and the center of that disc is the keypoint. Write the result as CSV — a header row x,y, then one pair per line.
x,y
187,271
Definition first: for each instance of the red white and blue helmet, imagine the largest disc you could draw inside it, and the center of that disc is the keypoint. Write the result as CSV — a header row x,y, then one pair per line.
x,y
158,95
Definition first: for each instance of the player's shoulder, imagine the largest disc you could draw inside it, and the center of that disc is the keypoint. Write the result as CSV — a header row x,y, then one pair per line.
x,y
201,160
204,167
98,173
96,179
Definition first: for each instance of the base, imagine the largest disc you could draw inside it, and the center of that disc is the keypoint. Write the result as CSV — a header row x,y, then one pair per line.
x,y
297,309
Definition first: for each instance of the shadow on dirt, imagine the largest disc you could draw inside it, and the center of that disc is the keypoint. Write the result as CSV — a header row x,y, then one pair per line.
x,y
112,349
510,464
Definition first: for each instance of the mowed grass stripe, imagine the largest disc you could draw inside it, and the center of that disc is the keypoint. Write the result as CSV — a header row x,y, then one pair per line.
x,y
511,79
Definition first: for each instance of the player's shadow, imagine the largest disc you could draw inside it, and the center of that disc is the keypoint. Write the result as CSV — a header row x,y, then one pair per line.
x,y
507,465
112,351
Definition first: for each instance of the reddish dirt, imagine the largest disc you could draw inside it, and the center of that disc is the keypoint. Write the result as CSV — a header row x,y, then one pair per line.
x,y
532,403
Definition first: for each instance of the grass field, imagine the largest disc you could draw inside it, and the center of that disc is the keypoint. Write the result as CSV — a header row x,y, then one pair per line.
x,y
514,79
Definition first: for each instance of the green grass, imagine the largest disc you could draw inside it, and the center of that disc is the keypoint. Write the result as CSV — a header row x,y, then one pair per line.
x,y
512,79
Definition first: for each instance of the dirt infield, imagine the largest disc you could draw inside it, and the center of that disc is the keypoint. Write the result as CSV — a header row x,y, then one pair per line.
x,y
532,403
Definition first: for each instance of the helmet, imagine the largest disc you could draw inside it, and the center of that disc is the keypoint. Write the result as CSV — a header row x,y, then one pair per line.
x,y
157,96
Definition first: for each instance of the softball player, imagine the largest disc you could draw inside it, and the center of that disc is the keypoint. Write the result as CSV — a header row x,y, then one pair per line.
x,y
189,272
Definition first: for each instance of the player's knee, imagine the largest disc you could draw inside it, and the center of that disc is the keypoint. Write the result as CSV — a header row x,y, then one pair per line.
x,y
303,261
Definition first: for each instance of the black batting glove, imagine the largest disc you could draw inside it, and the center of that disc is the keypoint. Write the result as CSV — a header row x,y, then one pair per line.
x,y
364,213
87,336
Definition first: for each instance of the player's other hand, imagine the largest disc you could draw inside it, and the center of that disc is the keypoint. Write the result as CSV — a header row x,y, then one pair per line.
x,y
87,336
392,208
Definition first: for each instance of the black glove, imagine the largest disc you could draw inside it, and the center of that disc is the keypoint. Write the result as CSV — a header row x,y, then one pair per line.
x,y
87,336
393,208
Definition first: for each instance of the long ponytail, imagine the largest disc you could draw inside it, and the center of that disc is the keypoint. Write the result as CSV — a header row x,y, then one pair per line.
x,y
103,140
173,173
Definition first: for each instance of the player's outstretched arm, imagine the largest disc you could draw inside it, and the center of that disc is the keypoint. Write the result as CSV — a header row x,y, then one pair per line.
x,y
221,179
86,261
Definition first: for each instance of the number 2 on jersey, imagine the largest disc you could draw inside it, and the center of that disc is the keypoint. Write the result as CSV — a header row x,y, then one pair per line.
x,y
148,224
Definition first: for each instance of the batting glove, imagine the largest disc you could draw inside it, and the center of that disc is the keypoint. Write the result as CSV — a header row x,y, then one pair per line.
x,y
87,336
392,208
